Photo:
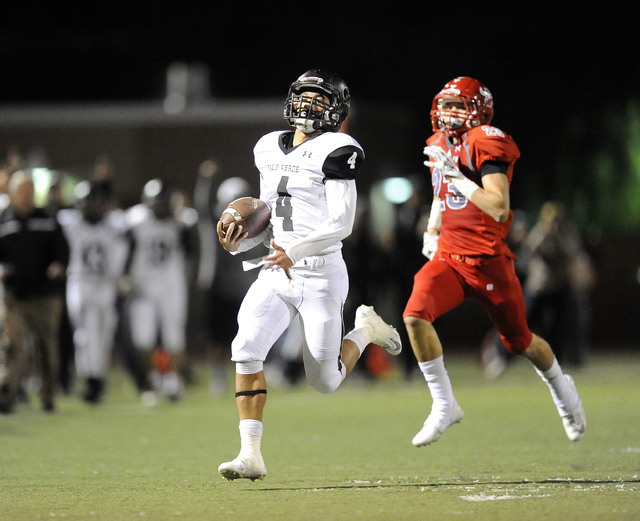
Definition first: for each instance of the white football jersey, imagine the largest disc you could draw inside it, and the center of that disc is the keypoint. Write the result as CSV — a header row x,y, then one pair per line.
x,y
97,255
158,270
310,214
159,259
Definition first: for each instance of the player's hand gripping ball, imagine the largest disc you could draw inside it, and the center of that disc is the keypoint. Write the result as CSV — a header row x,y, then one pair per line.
x,y
250,212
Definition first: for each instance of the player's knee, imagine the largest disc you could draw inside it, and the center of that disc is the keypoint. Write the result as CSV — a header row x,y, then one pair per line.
x,y
417,325
523,344
323,386
326,380
411,323
246,353
537,348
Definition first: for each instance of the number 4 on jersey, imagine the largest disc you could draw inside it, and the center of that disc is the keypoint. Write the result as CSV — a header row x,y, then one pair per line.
x,y
283,204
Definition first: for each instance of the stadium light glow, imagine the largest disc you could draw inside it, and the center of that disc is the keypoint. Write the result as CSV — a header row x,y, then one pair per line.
x,y
41,183
397,189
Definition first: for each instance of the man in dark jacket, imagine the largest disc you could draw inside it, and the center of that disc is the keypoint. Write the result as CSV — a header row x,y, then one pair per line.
x,y
33,259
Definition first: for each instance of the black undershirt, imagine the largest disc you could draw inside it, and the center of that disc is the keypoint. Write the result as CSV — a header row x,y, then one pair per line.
x,y
493,167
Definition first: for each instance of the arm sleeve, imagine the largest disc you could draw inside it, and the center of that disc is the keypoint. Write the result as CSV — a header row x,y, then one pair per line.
x,y
341,201
343,163
493,145
493,167
435,215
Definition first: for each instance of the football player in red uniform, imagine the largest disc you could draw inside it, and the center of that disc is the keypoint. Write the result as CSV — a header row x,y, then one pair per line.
x,y
471,166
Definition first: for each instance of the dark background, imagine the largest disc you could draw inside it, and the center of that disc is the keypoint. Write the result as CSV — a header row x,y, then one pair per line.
x,y
548,65
542,60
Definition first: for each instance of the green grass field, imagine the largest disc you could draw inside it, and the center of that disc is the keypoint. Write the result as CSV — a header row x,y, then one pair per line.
x,y
346,456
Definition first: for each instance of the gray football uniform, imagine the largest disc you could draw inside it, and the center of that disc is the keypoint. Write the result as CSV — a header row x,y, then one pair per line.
x,y
158,272
97,256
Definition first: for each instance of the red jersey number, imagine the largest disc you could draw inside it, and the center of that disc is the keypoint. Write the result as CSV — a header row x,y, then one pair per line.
x,y
450,197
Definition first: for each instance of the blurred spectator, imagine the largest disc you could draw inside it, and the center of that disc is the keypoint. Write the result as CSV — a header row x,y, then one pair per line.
x,y
4,187
55,198
558,267
222,282
158,301
98,253
365,262
406,256
391,257
103,173
187,216
33,256
557,275
15,160
54,203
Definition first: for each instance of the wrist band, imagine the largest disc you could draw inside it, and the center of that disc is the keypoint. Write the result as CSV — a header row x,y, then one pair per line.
x,y
435,216
465,186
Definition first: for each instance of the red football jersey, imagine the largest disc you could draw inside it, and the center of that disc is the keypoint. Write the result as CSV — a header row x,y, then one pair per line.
x,y
467,230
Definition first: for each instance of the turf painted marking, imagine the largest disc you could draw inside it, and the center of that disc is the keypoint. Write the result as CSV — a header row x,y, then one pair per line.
x,y
494,497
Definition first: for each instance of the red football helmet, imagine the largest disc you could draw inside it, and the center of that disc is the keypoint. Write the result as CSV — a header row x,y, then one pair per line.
x,y
462,104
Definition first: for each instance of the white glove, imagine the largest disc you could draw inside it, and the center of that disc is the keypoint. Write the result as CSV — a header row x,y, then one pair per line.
x,y
429,244
442,161
445,163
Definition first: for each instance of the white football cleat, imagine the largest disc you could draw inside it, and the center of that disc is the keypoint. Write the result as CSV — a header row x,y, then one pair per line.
x,y
575,424
428,434
379,331
243,468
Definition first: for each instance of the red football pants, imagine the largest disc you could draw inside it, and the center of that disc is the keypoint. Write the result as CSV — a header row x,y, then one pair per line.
x,y
445,282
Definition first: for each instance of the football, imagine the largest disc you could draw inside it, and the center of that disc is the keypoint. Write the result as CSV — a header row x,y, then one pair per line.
x,y
250,212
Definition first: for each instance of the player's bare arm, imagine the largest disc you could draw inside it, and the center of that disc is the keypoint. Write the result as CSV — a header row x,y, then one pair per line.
x,y
493,197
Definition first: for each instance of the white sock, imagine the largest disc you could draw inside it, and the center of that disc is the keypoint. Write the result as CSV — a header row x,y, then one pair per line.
x,y
437,377
564,395
250,437
358,338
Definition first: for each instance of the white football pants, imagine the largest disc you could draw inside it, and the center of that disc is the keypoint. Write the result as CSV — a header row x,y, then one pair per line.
x,y
93,317
315,293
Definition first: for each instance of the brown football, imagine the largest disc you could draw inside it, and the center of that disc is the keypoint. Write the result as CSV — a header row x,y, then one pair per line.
x,y
250,212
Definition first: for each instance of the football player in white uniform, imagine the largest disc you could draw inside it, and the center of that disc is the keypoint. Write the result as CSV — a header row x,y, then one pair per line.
x,y
307,177
98,251
157,273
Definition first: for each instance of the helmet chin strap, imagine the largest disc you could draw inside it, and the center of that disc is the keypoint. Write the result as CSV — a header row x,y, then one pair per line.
x,y
307,126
